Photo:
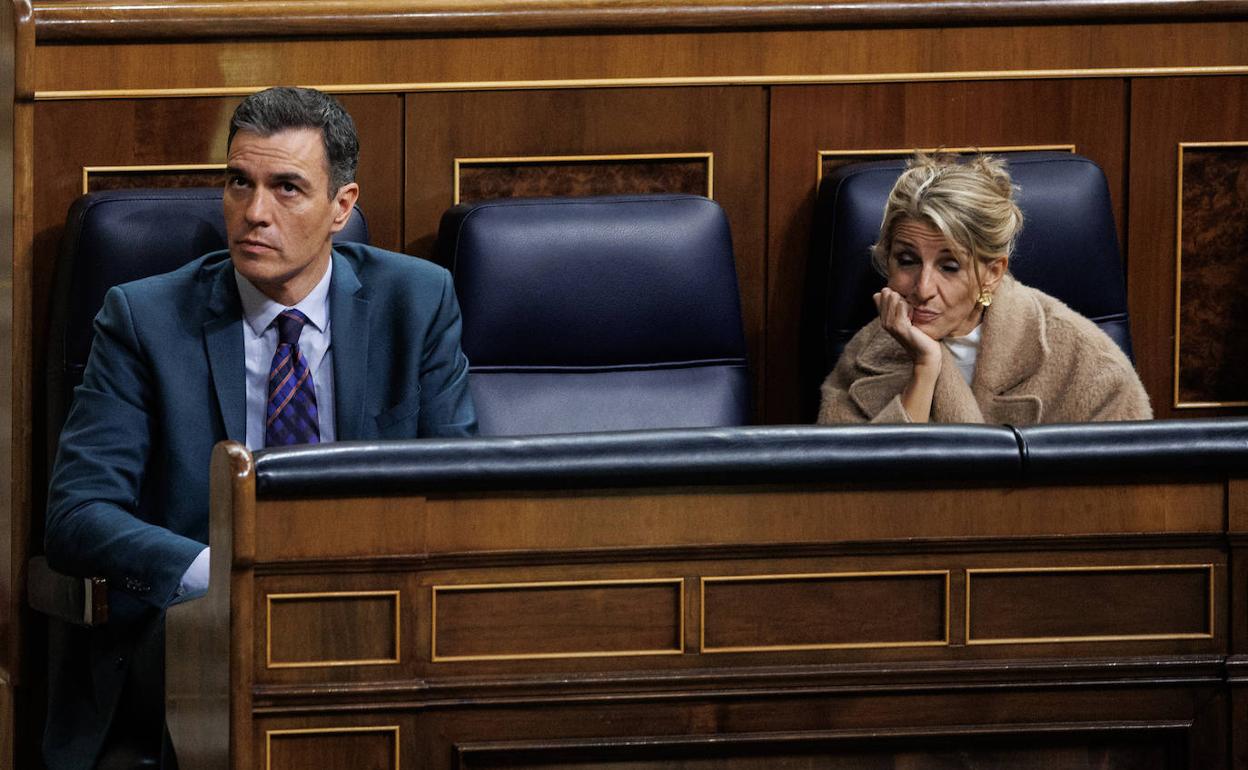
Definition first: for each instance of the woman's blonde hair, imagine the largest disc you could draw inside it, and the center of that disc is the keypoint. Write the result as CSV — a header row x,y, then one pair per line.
x,y
971,203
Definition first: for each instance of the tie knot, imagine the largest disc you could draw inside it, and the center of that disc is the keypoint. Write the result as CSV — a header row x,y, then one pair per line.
x,y
289,324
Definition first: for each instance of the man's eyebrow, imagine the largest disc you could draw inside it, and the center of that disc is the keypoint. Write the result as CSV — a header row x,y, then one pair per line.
x,y
288,176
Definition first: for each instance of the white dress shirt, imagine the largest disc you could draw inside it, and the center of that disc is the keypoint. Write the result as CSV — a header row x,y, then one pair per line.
x,y
259,345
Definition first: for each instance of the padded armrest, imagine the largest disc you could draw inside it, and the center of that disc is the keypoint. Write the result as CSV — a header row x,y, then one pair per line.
x,y
728,456
1106,449
81,601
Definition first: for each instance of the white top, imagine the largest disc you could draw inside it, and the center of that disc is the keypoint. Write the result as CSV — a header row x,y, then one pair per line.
x,y
965,350
260,343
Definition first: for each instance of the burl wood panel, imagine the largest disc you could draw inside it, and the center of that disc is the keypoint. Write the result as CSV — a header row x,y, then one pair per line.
x,y
1089,114
333,628
1166,112
99,180
556,620
811,612
729,123
348,748
486,180
1139,602
1213,256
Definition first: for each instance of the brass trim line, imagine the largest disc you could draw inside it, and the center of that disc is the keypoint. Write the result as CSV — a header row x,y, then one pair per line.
x,y
88,170
951,150
708,80
820,576
268,738
1178,282
1093,637
434,657
291,597
570,160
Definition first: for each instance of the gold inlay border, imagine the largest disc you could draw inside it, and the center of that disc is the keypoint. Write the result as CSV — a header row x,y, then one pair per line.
x,y
951,150
821,576
268,738
433,614
572,160
87,171
294,597
1178,280
707,80
1209,634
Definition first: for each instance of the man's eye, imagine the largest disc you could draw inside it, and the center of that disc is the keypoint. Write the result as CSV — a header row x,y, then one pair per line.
x,y
237,181
289,188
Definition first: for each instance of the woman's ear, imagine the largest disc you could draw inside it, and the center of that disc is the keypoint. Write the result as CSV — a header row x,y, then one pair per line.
x,y
993,272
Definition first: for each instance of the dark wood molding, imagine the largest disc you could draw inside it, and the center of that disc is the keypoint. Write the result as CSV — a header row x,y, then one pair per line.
x,y
111,20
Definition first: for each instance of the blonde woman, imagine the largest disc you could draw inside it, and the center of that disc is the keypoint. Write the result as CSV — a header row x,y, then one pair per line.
x,y
957,338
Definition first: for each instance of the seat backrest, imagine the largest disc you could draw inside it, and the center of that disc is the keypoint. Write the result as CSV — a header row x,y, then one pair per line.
x,y
118,236
601,313
1068,247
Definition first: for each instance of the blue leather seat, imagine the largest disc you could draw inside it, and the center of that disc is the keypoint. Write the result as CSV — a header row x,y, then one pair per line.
x,y
597,314
1068,249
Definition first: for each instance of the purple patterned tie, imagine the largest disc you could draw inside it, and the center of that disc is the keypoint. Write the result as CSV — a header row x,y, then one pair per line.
x,y
291,413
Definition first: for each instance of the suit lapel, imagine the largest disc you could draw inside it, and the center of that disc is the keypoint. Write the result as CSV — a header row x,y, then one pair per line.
x,y
348,319
223,340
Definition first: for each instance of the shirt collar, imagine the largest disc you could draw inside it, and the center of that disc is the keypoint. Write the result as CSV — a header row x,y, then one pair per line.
x,y
259,311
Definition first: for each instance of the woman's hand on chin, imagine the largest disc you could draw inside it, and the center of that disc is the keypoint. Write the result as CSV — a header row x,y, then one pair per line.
x,y
895,318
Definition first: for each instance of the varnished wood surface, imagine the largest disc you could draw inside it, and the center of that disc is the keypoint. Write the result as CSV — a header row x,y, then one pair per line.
x,y
94,20
1164,113
708,58
543,637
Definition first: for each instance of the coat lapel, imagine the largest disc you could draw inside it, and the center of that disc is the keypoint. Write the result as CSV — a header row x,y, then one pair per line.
x,y
223,341
1015,347
348,319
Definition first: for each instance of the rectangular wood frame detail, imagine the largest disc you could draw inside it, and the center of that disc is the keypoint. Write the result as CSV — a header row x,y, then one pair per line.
x,y
289,597
709,157
87,171
1178,279
268,738
820,576
875,154
433,619
1208,634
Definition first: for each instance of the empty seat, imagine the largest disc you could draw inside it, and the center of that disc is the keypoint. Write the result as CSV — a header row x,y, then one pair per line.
x,y
596,314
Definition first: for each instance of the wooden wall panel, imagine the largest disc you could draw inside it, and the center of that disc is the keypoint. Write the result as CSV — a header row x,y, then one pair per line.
x,y
1164,113
1089,114
730,123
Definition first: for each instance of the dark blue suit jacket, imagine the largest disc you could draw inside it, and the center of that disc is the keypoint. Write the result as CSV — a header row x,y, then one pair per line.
x,y
164,383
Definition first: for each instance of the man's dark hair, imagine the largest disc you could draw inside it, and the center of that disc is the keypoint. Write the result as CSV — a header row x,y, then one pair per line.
x,y
277,109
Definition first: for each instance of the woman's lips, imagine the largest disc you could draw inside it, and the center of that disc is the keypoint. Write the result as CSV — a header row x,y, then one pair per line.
x,y
922,316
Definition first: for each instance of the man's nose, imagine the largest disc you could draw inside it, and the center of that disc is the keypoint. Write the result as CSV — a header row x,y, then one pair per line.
x,y
257,210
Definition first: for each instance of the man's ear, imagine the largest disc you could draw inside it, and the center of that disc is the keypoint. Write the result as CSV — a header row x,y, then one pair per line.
x,y
992,273
344,200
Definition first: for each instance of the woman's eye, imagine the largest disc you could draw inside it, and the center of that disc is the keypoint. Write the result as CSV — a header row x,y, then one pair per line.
x,y
950,267
906,259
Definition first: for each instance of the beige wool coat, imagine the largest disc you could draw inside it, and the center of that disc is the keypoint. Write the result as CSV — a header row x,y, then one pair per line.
x,y
1038,362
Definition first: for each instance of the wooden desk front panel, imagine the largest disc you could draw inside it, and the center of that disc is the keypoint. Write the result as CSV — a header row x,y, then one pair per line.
x,y
1018,628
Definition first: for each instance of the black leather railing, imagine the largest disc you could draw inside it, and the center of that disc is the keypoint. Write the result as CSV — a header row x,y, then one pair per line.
x,y
758,455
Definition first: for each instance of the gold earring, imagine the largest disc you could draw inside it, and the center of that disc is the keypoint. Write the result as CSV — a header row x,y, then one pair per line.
x,y
984,299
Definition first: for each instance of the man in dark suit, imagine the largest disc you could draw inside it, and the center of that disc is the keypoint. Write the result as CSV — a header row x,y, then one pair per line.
x,y
282,339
